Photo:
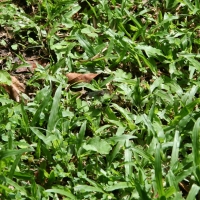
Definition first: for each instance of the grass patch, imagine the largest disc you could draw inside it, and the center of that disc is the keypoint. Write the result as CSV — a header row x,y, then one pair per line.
x,y
127,127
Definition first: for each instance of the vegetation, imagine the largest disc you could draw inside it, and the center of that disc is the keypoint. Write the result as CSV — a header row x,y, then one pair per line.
x,y
133,132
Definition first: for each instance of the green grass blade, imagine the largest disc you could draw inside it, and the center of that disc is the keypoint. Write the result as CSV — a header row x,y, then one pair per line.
x,y
197,4
158,172
117,148
128,158
25,120
119,185
62,192
42,106
193,192
175,150
196,147
172,180
86,45
126,115
16,186
184,112
8,153
141,191
144,154
14,165
151,66
87,188
54,109
80,137
41,136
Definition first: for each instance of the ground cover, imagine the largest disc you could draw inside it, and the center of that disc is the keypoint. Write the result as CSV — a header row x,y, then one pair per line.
x,y
99,99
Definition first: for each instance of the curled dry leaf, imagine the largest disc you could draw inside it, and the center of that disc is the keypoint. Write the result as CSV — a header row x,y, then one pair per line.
x,y
77,77
15,89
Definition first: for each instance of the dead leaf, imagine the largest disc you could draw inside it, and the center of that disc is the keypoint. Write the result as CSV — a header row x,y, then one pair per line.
x,y
77,77
29,67
15,89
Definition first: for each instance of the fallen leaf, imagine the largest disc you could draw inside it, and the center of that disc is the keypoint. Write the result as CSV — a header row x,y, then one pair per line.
x,y
29,67
15,89
77,77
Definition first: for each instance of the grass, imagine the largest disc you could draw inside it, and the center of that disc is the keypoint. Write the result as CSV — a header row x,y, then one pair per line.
x,y
134,131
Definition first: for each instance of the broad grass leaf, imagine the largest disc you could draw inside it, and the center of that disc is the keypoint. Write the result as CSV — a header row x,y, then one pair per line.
x,y
107,80
23,176
114,152
45,139
196,147
87,188
125,115
197,4
165,96
16,186
169,192
111,115
42,106
102,128
119,185
86,45
158,172
121,76
127,159
85,85
8,153
183,174
80,136
5,77
25,119
72,9
148,123
150,51
141,191
190,95
90,31
62,192
156,84
152,109
193,192
194,62
14,165
110,49
175,150
151,66
98,145
133,18
121,138
186,110
54,109
189,4
117,148
170,4
143,154
168,17
172,180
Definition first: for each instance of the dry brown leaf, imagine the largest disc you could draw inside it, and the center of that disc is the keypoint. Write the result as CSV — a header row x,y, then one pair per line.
x,y
15,89
29,67
77,77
